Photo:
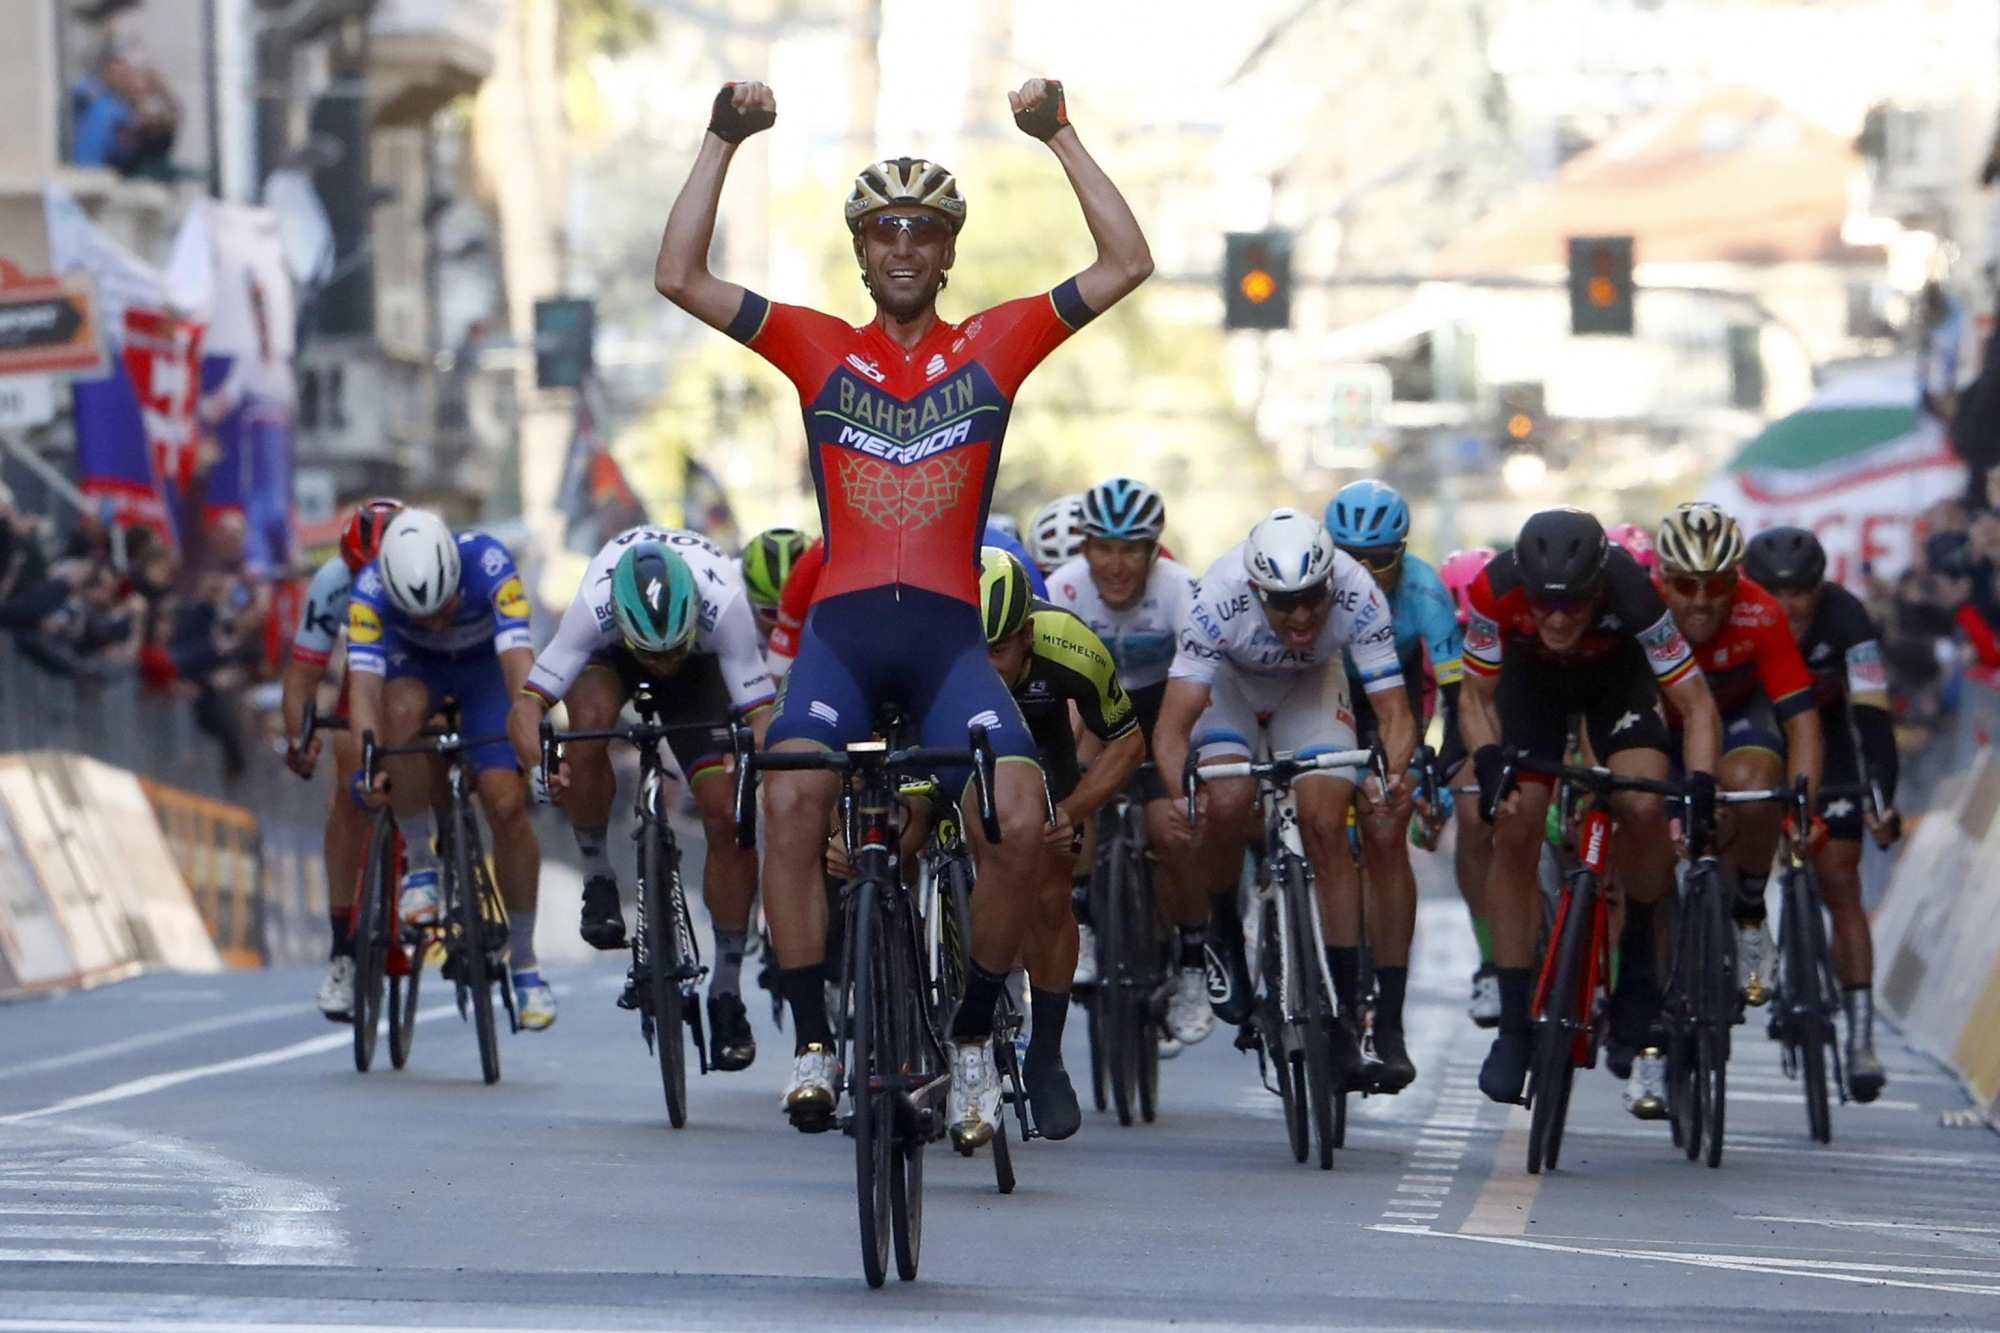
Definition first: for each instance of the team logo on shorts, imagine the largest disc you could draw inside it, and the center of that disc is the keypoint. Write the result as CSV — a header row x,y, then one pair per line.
x,y
511,600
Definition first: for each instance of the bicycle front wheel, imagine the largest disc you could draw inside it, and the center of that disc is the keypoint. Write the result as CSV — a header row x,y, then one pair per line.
x,y
663,965
1717,1016
1316,1005
1124,1006
1803,1003
475,964
374,928
873,1116
1554,1069
403,1010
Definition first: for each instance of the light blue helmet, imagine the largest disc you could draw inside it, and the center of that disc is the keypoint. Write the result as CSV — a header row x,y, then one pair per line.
x,y
1367,514
1124,508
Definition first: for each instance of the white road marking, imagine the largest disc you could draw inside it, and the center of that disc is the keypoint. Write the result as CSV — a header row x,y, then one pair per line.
x,y
1508,1196
147,1040
1737,1094
1869,1224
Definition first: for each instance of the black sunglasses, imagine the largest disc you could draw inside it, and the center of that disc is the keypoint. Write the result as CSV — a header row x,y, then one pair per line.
x,y
1305,599
1378,559
923,228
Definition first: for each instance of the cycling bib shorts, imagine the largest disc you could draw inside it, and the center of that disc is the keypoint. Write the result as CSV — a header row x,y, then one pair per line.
x,y
480,686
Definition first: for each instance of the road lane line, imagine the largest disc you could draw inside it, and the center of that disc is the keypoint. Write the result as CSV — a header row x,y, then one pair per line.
x,y
147,1040
1867,1224
151,1083
1508,1196
1743,1095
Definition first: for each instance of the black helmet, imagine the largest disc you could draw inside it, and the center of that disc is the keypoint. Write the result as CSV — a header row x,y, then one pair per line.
x,y
1786,560
1561,554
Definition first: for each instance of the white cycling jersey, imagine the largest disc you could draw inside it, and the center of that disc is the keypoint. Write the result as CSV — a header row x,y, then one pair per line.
x,y
325,614
1227,626
727,629
1142,636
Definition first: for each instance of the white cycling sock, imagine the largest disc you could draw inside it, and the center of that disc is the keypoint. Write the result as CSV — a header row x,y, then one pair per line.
x,y
521,941
593,843
727,979
420,841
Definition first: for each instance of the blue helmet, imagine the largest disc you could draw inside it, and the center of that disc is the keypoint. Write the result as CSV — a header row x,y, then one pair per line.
x,y
1364,514
1124,508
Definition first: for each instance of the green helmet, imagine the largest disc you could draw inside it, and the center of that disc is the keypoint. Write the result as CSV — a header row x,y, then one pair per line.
x,y
1004,592
653,599
767,563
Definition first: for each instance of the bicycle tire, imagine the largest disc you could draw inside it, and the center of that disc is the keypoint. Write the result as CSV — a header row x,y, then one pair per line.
x,y
1003,1160
403,1011
1321,1081
1548,1093
1713,1050
374,917
1093,1020
872,1120
1804,1001
469,907
1340,1118
901,969
1148,1081
663,963
1124,1014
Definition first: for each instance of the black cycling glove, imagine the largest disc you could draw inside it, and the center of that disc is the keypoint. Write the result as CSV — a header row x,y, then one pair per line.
x,y
1698,821
1489,764
1049,117
728,124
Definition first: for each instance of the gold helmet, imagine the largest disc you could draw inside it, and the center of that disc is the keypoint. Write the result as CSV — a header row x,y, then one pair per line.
x,y
1698,538
906,181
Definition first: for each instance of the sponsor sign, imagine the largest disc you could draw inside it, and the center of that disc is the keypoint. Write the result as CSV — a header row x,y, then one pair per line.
x,y
48,326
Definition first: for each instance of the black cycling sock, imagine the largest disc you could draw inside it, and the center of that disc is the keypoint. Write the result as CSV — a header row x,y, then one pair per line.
x,y
1194,945
1748,909
1391,983
1515,997
1638,949
804,988
342,921
974,1019
1344,961
1048,1010
1225,921
1079,900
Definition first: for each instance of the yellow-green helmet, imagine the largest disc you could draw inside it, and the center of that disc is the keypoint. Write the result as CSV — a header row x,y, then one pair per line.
x,y
768,561
1004,593
653,599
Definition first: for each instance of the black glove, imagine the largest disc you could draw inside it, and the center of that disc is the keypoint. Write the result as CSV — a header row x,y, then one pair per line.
x,y
1046,119
1489,763
728,124
1698,821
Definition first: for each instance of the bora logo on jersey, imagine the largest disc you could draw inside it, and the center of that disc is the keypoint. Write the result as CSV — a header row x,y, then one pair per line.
x,y
511,600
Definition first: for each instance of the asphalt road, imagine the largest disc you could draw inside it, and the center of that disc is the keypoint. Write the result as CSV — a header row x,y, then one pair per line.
x,y
199,1153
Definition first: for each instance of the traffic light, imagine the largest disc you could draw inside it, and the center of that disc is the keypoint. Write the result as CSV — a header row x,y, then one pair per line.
x,y
1522,418
565,337
1600,285
1257,280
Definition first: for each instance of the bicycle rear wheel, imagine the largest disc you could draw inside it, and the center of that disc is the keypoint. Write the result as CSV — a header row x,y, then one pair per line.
x,y
374,927
873,1118
663,966
469,905
403,1009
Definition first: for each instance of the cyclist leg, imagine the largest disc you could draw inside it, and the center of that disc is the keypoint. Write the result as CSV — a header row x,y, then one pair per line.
x,y
409,696
593,703
1050,954
1390,913
1753,758
1838,870
1225,823
345,845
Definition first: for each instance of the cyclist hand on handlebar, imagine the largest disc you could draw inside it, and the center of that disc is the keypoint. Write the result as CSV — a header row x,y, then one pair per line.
x,y
302,759
1061,834
1886,829
1809,840
366,795
1698,816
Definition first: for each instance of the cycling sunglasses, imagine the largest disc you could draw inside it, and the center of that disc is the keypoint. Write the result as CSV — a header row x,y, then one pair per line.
x,y
1703,585
1378,559
1305,599
1563,605
924,228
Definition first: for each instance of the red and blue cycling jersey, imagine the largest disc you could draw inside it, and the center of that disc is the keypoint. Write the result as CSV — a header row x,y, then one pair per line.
x,y
905,442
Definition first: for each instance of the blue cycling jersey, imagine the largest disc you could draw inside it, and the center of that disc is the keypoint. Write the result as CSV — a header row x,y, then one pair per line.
x,y
492,613
1425,618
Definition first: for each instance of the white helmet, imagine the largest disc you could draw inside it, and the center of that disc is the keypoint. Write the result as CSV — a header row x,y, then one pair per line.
x,y
1288,552
418,563
1056,536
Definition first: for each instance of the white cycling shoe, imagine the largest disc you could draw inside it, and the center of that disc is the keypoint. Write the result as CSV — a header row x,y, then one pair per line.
x,y
1646,1090
534,1002
812,1094
973,1109
1086,957
336,993
1485,1006
1756,952
418,902
1190,1018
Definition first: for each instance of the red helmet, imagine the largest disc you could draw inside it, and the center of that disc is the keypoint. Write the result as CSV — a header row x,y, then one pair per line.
x,y
363,535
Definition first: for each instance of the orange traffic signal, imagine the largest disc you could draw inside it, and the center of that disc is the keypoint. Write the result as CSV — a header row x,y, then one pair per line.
x,y
1257,280
1257,286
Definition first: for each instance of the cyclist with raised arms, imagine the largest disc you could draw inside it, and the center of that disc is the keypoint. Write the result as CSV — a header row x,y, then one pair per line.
x,y
904,419
1842,649
1135,598
1056,536
1263,653
766,563
1770,729
664,607
1567,624
1370,521
1472,850
442,615
320,626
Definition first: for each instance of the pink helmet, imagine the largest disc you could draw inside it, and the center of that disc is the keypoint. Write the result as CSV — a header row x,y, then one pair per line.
x,y
1458,571
1638,544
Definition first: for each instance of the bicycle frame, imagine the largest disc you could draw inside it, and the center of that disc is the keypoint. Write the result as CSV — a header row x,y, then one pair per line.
x,y
1584,884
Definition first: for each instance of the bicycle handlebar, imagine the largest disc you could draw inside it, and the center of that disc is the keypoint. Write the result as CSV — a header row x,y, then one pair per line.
x,y
862,756
1281,770
312,722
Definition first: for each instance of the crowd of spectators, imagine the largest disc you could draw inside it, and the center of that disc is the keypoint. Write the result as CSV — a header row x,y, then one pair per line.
x,y
124,116
118,607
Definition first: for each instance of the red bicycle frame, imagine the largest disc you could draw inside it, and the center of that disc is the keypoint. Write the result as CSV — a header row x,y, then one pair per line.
x,y
1593,850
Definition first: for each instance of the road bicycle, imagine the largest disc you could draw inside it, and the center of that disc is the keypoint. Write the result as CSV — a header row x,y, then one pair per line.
x,y
471,927
894,1045
1297,1007
1126,1010
667,970
1700,1008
